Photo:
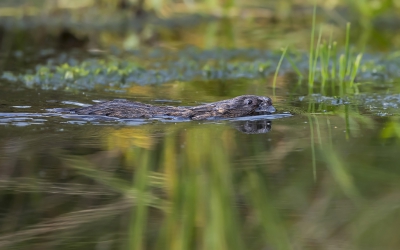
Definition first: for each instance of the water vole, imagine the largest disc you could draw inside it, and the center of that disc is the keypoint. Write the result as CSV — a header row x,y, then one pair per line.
x,y
239,106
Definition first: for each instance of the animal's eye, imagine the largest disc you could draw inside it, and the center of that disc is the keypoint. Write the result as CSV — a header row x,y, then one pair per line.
x,y
248,101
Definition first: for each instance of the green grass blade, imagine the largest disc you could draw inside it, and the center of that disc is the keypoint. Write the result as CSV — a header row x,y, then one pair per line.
x,y
312,50
277,71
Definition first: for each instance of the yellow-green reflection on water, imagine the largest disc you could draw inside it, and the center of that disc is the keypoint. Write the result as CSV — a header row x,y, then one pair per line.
x,y
202,186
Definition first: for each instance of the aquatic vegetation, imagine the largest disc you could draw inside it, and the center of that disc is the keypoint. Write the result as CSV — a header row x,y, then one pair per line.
x,y
111,72
117,74
366,103
338,69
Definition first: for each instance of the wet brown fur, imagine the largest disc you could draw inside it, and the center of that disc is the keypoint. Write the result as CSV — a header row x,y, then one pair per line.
x,y
244,105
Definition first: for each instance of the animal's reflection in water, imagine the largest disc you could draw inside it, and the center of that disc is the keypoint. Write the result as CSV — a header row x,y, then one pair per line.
x,y
253,127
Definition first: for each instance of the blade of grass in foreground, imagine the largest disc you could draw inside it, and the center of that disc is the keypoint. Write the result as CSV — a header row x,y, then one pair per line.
x,y
139,212
119,185
275,234
177,231
340,173
222,223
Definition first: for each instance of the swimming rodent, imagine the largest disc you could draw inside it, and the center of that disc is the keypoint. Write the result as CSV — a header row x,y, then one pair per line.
x,y
239,106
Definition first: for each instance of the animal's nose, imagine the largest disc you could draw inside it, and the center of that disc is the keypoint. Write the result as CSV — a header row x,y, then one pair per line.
x,y
271,109
265,108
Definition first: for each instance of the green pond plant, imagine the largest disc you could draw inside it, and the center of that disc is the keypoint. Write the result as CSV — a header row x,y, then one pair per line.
x,y
333,67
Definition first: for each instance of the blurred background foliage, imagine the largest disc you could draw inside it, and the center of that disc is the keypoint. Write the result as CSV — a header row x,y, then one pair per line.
x,y
75,23
366,9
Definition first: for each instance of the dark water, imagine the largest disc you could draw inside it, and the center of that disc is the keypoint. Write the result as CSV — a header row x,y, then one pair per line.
x,y
322,173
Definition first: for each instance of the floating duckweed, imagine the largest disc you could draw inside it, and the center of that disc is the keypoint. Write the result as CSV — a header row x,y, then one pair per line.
x,y
135,67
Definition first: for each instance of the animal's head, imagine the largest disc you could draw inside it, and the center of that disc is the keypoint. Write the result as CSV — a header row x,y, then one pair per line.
x,y
255,103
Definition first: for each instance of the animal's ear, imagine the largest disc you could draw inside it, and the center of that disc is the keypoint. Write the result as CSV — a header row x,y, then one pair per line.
x,y
248,101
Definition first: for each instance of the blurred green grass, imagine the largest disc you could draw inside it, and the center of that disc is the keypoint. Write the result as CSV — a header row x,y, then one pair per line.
x,y
362,11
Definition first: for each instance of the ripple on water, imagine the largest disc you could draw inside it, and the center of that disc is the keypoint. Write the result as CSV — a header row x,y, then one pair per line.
x,y
25,119
21,119
261,117
22,107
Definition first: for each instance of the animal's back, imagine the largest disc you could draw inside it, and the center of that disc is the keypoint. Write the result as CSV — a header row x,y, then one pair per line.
x,y
127,109
236,107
